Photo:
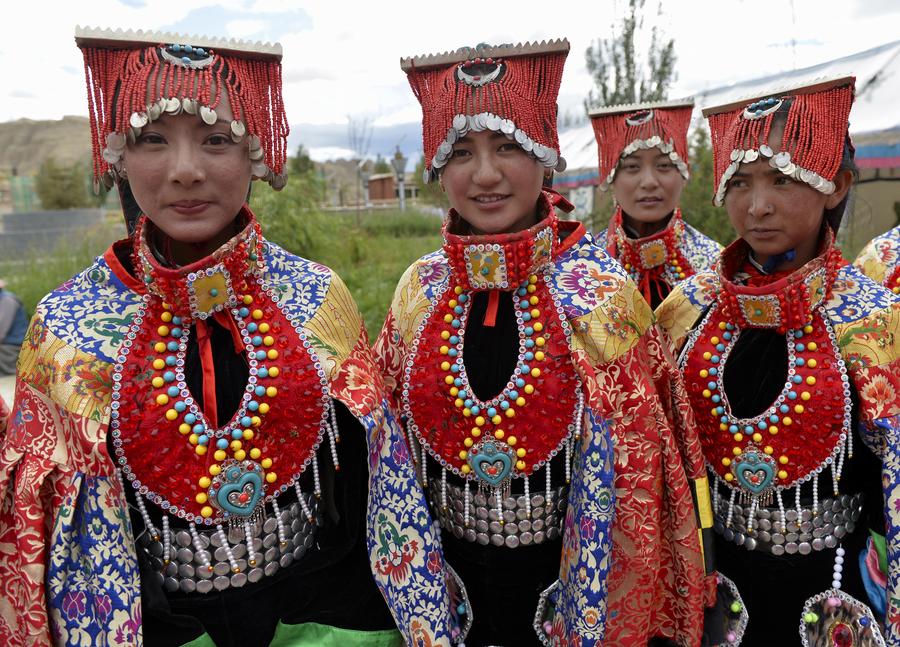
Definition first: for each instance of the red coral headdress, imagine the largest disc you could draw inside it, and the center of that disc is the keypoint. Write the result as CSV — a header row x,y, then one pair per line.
x,y
135,77
811,147
621,130
506,88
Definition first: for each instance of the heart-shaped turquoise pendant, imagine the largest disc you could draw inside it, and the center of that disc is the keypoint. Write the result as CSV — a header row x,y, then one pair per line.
x,y
754,471
491,461
238,488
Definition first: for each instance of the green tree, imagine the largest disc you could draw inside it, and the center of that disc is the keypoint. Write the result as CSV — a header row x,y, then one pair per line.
x,y
615,64
63,187
301,163
382,165
696,199
291,217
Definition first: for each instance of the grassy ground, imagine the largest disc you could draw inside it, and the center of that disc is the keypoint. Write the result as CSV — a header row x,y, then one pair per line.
x,y
40,271
369,254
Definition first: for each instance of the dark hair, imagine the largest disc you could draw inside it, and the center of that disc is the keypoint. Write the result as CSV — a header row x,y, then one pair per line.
x,y
835,215
130,208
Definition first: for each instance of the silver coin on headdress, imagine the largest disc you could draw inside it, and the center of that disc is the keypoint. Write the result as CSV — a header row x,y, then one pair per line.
x,y
782,159
154,111
138,120
766,150
751,155
507,127
173,105
208,115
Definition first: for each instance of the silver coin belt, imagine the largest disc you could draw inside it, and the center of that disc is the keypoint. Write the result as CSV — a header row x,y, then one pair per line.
x,y
804,531
519,528
187,571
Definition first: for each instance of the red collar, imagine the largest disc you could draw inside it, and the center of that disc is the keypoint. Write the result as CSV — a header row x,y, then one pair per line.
x,y
782,300
505,261
207,285
647,253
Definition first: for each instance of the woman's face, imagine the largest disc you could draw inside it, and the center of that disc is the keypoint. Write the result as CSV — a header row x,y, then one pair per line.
x,y
647,185
492,183
775,213
189,178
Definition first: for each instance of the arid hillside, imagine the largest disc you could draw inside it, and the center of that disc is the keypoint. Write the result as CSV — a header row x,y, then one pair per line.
x,y
25,143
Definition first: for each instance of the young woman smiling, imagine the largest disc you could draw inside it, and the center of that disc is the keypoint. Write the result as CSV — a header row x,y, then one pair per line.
x,y
643,153
542,490
171,473
790,358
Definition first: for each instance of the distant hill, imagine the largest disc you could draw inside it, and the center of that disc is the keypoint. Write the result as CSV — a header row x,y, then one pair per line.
x,y
26,143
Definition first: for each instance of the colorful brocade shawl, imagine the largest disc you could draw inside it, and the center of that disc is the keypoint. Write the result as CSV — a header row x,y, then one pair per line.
x,y
880,260
866,322
631,565
68,566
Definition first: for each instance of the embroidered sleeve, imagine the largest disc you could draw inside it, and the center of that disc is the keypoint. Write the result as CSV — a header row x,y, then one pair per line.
x,y
656,550
678,313
54,484
424,595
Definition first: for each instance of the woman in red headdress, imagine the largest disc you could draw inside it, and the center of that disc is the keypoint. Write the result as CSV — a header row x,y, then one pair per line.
x,y
790,359
172,474
542,492
643,154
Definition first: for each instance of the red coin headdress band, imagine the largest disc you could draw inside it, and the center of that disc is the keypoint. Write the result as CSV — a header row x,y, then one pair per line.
x,y
811,147
135,77
506,88
625,129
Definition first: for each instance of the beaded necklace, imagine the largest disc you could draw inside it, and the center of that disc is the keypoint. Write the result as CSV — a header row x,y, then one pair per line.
x,y
807,429
656,256
490,442
172,449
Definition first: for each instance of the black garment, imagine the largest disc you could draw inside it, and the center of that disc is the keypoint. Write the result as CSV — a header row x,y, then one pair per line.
x,y
659,290
332,584
774,589
503,583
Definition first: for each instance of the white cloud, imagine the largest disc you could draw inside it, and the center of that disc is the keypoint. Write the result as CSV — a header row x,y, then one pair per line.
x,y
244,28
348,62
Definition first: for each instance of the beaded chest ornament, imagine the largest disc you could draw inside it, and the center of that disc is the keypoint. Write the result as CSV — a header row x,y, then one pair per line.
x,y
508,436
805,432
169,447
656,256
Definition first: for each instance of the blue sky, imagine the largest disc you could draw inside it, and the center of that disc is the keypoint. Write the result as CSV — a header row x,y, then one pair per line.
x,y
342,57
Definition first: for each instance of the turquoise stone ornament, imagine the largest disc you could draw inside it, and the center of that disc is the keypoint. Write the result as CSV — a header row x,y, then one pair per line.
x,y
491,461
754,471
237,489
